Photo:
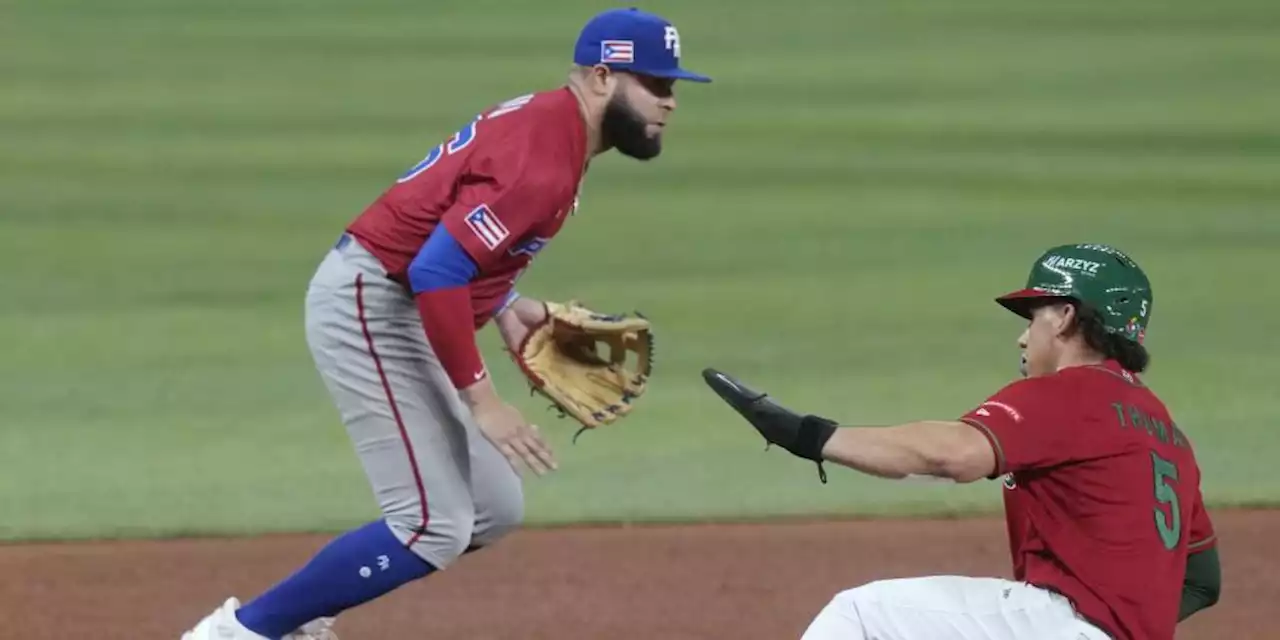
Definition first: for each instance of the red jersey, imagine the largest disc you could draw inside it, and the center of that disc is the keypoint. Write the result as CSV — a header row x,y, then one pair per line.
x,y
1102,499
502,186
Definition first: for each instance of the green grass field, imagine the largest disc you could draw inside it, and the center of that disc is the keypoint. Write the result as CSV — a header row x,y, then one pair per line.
x,y
171,172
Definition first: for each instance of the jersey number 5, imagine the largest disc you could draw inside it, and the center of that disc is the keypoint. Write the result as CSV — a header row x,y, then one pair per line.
x,y
1168,526
462,138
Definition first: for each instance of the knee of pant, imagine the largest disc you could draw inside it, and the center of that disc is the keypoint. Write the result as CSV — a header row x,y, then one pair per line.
x,y
845,596
862,594
838,620
441,542
446,546
497,521
850,601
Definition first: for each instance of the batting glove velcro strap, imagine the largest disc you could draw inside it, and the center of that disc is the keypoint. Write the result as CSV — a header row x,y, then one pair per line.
x,y
812,436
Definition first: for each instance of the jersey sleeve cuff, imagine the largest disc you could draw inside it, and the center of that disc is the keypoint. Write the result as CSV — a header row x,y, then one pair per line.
x,y
441,263
1202,545
995,445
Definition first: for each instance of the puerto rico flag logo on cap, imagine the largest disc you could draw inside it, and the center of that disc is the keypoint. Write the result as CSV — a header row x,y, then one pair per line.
x,y
487,227
623,51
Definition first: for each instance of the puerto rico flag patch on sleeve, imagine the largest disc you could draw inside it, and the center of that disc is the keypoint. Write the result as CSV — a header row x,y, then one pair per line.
x,y
620,51
487,226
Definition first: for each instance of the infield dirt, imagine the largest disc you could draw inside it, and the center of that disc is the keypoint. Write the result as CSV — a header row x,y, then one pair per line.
x,y
722,581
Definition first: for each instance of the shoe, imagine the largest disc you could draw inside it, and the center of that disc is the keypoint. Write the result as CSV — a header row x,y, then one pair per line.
x,y
321,629
223,625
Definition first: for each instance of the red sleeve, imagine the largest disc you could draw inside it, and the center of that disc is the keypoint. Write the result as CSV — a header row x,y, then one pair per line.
x,y
508,191
1030,425
1202,535
511,185
446,319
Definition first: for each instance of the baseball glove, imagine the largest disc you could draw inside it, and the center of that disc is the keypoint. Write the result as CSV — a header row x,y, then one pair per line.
x,y
562,360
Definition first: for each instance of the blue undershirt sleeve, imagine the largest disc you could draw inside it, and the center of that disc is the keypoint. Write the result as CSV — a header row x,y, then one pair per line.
x,y
442,263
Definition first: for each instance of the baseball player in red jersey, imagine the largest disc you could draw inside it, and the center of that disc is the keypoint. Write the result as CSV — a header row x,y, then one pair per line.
x,y
1107,530
393,310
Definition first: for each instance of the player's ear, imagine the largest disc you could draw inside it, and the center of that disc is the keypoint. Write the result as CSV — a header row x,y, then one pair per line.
x,y
1067,317
602,80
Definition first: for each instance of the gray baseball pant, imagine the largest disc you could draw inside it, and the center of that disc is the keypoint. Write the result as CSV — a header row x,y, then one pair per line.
x,y
442,486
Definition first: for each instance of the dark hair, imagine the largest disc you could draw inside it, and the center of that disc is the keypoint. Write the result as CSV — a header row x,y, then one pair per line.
x,y
1131,355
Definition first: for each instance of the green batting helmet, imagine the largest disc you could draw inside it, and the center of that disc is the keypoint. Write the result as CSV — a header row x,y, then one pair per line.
x,y
1098,276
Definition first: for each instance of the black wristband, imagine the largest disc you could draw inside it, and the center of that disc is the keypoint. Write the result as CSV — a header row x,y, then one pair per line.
x,y
812,436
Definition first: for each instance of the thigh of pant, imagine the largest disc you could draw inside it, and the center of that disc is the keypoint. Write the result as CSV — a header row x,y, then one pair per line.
x,y
949,607
410,428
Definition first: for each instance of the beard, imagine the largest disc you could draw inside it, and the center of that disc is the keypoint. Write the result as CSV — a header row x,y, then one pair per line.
x,y
624,130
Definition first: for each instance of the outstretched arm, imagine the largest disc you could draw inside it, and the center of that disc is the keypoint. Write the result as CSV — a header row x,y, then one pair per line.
x,y
952,450
959,451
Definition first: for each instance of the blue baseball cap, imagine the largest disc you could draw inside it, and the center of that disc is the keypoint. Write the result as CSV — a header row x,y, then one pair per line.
x,y
632,40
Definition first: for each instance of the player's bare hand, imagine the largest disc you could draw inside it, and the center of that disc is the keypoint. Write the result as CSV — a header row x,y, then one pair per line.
x,y
519,319
518,440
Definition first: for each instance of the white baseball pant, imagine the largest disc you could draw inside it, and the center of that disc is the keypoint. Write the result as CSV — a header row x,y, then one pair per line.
x,y
950,608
